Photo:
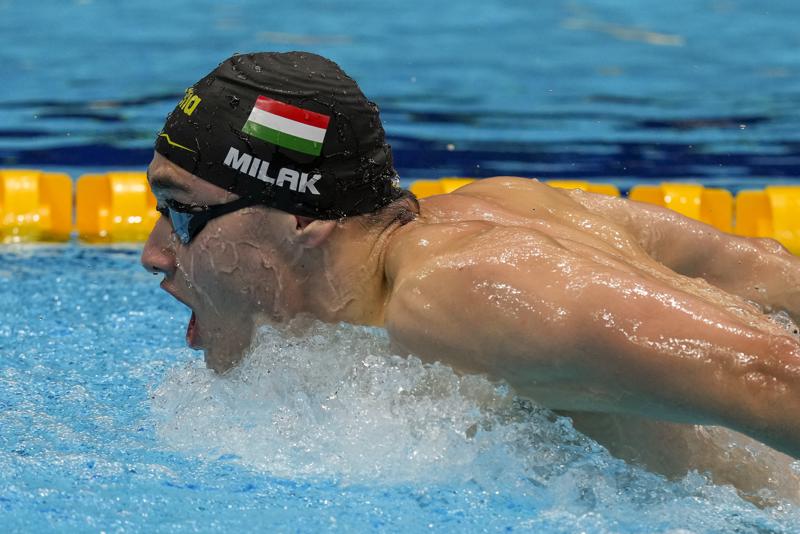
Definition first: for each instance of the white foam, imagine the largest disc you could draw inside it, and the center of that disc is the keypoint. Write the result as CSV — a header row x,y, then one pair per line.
x,y
335,402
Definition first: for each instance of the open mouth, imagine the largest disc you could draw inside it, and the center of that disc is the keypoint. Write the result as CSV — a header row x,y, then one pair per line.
x,y
191,332
192,336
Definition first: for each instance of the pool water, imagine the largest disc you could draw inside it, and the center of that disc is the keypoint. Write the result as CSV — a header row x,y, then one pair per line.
x,y
610,90
108,423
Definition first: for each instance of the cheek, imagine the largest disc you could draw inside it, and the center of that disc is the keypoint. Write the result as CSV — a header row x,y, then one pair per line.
x,y
237,276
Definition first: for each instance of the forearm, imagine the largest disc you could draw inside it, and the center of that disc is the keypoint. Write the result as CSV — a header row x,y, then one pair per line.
x,y
759,270
692,382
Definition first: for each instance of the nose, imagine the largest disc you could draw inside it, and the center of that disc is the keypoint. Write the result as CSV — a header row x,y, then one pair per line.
x,y
158,255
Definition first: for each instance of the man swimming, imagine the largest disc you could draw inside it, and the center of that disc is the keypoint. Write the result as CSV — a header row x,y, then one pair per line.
x,y
279,198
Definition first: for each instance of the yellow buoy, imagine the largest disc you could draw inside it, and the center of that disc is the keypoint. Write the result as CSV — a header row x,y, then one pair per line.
x,y
773,212
35,206
709,205
426,188
115,207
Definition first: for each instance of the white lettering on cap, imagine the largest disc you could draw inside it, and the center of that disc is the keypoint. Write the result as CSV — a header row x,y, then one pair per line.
x,y
288,174
235,161
252,166
308,183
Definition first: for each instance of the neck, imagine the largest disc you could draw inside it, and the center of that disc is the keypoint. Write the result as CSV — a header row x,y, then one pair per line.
x,y
352,285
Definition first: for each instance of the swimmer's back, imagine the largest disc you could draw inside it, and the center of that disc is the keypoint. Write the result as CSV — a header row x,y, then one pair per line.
x,y
527,203
502,252
515,279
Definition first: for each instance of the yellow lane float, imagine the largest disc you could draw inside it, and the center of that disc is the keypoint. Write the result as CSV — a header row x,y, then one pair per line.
x,y
773,212
118,206
35,206
710,205
428,188
115,207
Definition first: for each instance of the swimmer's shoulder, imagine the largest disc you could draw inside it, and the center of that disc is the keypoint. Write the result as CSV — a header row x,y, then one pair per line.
x,y
498,210
511,195
433,235
501,185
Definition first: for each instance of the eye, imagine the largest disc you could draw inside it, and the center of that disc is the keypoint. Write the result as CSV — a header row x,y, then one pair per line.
x,y
174,205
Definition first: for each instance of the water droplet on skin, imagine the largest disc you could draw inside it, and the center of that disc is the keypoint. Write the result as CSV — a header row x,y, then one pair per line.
x,y
241,76
233,101
257,68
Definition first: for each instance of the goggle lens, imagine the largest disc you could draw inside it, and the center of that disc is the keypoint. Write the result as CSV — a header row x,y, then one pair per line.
x,y
187,220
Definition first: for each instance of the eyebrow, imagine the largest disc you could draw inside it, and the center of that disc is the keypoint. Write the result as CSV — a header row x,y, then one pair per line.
x,y
165,183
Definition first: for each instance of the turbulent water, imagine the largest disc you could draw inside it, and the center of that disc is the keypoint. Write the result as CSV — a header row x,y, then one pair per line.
x,y
108,423
336,404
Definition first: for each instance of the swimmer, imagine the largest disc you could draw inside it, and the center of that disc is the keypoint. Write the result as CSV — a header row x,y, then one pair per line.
x,y
279,198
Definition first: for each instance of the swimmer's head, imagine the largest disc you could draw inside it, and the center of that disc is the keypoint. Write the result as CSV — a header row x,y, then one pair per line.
x,y
289,130
275,183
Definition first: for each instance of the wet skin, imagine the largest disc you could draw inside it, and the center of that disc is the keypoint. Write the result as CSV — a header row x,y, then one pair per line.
x,y
257,266
584,303
560,294
215,274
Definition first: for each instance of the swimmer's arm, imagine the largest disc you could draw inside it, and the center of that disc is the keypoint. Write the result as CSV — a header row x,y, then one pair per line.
x,y
609,344
759,270
670,355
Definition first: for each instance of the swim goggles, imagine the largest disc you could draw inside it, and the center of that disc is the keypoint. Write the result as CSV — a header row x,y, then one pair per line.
x,y
187,220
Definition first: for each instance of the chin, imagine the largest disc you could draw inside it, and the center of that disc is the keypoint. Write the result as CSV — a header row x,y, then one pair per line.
x,y
224,346
221,362
216,364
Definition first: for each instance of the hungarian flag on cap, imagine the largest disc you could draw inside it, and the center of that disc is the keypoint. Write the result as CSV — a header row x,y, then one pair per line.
x,y
287,126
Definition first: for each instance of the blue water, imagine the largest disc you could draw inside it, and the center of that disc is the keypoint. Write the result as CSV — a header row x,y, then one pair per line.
x,y
610,90
107,423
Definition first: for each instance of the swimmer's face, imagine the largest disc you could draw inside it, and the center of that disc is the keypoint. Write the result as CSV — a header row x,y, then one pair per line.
x,y
239,271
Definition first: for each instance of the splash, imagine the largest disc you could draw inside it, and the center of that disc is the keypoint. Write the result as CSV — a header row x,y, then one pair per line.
x,y
335,403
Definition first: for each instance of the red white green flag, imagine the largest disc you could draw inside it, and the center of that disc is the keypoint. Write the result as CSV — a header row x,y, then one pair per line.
x,y
287,126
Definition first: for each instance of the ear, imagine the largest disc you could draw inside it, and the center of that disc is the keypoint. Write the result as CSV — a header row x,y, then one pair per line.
x,y
313,232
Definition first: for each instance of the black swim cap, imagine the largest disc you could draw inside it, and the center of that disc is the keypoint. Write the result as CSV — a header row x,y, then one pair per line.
x,y
291,129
